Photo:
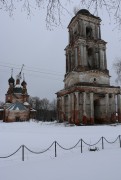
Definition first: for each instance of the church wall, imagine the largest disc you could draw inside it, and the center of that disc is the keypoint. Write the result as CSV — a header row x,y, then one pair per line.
x,y
13,116
88,108
17,97
80,107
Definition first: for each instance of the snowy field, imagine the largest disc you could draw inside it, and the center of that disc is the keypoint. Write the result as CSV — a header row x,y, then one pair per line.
x,y
104,164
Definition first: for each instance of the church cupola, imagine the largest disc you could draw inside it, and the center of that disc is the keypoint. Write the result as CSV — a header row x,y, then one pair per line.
x,y
11,80
24,84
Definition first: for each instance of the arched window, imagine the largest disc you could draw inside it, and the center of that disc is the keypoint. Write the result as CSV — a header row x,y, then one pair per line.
x,y
88,32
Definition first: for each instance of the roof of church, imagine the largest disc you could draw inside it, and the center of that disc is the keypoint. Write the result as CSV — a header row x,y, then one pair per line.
x,y
84,12
17,106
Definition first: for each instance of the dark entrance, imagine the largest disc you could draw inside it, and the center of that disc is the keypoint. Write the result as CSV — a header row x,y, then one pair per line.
x,y
17,118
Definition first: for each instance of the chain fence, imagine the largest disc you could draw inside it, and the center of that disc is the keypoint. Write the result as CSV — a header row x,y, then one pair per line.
x,y
92,147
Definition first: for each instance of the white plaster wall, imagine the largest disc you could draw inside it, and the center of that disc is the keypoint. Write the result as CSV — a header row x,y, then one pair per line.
x,y
89,77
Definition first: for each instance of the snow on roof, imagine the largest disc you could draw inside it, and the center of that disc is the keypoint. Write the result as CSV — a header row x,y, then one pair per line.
x,y
32,110
26,103
18,86
7,104
17,106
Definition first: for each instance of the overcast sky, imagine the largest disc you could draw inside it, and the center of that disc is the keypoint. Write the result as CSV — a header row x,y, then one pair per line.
x,y
27,41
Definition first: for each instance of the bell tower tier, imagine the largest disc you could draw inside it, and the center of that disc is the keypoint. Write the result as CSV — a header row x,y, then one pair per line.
x,y
86,52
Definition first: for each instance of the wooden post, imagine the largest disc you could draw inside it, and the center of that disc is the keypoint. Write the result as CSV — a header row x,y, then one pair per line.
x,y
22,152
81,146
102,143
55,150
120,140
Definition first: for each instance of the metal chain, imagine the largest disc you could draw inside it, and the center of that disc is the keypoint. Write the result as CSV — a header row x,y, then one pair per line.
x,y
110,141
60,146
92,144
12,153
40,151
70,147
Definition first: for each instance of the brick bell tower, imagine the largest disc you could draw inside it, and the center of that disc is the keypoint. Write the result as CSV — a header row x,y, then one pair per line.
x,y
87,97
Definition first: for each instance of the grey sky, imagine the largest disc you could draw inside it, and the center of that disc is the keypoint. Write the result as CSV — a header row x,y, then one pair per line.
x,y
27,41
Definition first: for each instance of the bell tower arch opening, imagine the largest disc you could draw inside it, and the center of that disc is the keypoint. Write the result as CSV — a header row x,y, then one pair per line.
x,y
88,32
90,59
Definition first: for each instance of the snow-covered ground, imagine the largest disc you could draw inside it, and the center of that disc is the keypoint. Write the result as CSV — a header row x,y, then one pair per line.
x,y
72,164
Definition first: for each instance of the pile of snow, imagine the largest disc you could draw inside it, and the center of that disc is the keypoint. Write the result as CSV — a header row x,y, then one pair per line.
x,y
72,165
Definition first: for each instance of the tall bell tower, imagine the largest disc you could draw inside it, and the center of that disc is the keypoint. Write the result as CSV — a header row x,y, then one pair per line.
x,y
87,97
86,52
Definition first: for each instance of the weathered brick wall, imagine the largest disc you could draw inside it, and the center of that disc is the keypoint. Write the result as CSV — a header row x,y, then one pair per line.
x,y
12,116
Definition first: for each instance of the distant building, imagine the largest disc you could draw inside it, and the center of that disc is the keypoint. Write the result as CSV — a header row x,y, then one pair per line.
x,y
88,97
17,107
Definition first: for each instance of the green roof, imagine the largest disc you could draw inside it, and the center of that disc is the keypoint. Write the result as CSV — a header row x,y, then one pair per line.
x,y
17,106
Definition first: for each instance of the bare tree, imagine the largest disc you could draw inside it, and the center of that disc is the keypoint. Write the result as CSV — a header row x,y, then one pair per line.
x,y
53,109
56,8
45,114
45,110
34,102
45,104
53,8
113,8
1,103
117,68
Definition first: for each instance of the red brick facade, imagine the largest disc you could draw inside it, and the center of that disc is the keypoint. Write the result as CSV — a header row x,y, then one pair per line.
x,y
17,107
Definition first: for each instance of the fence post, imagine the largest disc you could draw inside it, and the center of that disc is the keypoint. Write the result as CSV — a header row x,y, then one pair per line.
x,y
120,140
55,149
102,142
22,152
81,145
